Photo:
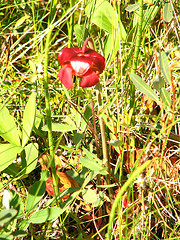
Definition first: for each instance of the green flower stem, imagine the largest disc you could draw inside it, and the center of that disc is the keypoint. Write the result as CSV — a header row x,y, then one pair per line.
x,y
103,140
48,113
136,51
102,128
71,26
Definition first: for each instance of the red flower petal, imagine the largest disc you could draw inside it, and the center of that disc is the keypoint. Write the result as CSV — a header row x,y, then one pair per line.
x,y
98,61
65,76
67,53
90,79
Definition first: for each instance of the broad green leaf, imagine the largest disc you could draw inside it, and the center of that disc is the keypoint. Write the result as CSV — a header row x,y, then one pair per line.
x,y
60,127
166,99
164,67
93,164
143,87
46,214
8,153
91,155
19,234
8,128
88,178
11,170
20,21
6,215
38,119
103,15
167,12
77,138
28,118
31,156
89,195
35,194
71,121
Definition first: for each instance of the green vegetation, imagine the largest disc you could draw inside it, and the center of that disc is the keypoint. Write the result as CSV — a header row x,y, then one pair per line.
x,y
90,163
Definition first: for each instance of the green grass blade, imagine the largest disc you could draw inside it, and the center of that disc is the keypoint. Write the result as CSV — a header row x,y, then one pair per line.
x,y
120,194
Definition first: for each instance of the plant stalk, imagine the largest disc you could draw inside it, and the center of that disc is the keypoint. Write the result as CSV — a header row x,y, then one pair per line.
x,y
136,52
47,102
71,26
102,128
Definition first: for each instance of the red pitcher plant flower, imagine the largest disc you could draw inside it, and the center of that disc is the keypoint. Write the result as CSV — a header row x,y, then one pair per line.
x,y
82,62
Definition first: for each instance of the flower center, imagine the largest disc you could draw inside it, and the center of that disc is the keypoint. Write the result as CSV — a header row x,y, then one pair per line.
x,y
79,67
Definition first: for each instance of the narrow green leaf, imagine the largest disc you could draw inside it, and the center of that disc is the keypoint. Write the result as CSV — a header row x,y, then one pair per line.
x,y
20,21
164,67
166,99
8,153
28,118
35,194
45,215
8,128
132,7
60,127
143,87
31,156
